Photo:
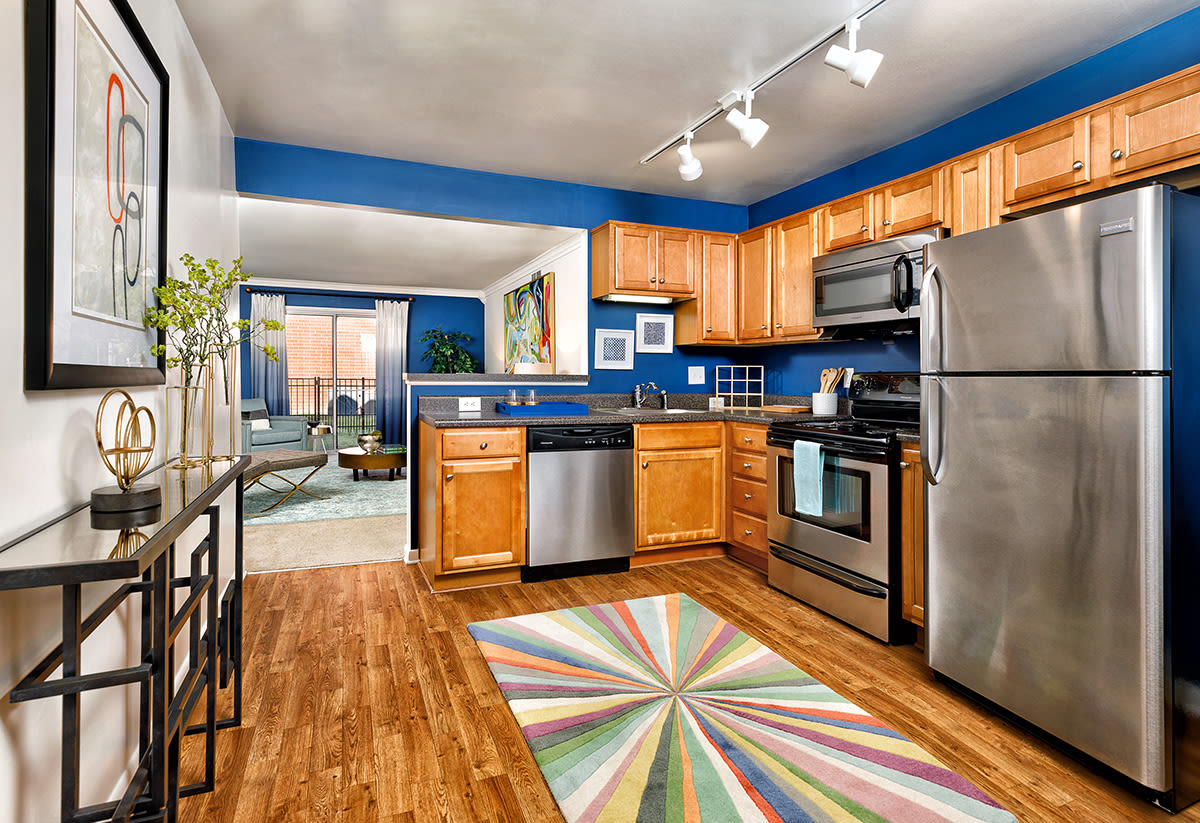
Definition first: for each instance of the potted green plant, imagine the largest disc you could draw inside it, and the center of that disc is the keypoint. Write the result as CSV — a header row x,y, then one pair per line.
x,y
445,353
194,315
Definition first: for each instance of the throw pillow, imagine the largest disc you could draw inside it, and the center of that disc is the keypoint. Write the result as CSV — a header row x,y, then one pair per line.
x,y
255,414
259,425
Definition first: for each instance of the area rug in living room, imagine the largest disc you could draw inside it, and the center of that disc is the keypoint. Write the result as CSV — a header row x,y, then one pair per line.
x,y
658,710
372,496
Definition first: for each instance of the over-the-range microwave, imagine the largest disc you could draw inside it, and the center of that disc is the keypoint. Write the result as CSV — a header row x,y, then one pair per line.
x,y
871,289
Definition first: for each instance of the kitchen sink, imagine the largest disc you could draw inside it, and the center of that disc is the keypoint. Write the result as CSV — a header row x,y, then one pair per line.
x,y
631,411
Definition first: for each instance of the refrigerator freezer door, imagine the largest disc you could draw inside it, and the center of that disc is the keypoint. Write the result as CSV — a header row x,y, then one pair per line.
x,y
1077,289
1045,557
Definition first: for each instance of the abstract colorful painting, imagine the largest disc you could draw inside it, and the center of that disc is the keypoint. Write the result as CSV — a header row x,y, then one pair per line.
x,y
529,323
657,709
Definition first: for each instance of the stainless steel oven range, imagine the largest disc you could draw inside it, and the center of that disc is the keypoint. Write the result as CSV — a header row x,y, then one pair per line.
x,y
844,560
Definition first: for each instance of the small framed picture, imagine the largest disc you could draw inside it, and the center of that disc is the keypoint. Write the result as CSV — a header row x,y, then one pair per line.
x,y
614,349
655,333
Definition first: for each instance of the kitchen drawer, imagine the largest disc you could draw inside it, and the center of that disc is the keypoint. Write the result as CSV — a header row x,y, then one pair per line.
x,y
748,531
679,435
749,496
749,465
748,437
465,443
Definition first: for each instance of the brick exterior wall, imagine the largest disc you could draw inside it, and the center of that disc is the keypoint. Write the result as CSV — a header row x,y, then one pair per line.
x,y
310,355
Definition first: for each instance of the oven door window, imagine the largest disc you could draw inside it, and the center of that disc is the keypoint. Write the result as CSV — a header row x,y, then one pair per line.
x,y
860,290
846,497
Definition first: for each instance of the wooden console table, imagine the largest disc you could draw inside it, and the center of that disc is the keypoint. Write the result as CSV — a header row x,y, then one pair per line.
x,y
138,553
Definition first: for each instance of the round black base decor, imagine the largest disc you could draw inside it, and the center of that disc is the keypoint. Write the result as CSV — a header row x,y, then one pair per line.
x,y
112,499
126,520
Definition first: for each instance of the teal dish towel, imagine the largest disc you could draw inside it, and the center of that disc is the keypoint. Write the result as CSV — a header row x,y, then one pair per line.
x,y
808,474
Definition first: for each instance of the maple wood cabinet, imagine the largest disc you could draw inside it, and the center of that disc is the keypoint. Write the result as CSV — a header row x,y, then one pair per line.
x,y
629,258
712,316
847,222
914,203
748,494
972,205
1050,159
1155,126
775,286
472,499
679,483
912,535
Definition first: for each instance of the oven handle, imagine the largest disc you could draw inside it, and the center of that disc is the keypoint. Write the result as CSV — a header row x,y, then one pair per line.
x,y
795,559
854,452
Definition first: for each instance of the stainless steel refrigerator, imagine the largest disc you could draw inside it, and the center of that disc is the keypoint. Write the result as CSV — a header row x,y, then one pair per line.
x,y
1060,360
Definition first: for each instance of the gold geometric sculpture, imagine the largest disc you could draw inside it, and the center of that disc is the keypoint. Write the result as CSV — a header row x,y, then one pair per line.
x,y
128,542
131,453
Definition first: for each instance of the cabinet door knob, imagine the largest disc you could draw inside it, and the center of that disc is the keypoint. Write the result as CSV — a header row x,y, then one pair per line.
x,y
645,465
1077,165
903,465
779,325
748,531
708,329
483,445
764,325
887,222
1117,154
449,477
865,228
747,495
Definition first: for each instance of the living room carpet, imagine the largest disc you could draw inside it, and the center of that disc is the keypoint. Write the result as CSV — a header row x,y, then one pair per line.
x,y
658,710
373,496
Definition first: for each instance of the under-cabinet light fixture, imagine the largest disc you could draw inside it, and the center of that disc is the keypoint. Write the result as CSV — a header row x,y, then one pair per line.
x,y
859,66
689,165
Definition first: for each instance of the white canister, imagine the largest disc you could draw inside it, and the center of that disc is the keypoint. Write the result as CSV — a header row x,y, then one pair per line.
x,y
824,404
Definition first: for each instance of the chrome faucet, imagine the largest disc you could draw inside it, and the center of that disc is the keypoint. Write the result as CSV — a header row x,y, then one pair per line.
x,y
640,393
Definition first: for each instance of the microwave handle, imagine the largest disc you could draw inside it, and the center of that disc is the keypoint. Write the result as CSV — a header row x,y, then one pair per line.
x,y
902,296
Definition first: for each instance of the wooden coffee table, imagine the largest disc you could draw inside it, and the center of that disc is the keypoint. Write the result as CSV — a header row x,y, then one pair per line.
x,y
388,457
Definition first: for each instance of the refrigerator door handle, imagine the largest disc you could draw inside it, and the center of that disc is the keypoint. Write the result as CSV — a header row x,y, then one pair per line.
x,y
931,320
931,428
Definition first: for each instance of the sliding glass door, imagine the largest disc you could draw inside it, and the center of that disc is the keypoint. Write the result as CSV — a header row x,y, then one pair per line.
x,y
331,369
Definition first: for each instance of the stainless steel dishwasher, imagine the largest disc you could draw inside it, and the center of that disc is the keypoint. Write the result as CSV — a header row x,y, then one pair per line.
x,y
581,506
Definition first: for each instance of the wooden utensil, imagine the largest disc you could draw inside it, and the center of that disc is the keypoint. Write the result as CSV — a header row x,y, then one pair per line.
x,y
826,375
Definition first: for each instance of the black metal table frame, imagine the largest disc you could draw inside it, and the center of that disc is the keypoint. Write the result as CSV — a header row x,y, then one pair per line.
x,y
214,659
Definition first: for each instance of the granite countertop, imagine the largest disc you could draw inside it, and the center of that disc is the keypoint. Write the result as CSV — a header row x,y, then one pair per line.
x,y
905,437
455,419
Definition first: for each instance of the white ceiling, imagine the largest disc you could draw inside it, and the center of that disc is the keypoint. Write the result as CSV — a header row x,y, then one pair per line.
x,y
581,91
287,240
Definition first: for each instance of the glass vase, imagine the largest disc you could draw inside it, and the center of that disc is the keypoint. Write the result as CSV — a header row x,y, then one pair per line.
x,y
185,408
220,380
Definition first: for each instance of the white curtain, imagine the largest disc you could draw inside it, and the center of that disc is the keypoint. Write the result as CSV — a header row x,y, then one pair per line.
x,y
391,361
269,380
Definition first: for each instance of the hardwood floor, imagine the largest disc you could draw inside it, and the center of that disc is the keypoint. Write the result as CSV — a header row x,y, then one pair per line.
x,y
367,700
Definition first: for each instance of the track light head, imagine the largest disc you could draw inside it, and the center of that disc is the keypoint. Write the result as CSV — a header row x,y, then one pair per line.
x,y
750,129
859,66
689,165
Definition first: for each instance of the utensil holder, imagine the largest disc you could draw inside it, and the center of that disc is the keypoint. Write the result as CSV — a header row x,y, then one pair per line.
x,y
824,404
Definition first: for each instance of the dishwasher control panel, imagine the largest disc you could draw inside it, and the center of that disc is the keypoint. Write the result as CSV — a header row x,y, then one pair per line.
x,y
579,438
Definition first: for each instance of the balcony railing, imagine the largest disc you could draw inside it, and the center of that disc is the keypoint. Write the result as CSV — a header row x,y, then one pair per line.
x,y
346,404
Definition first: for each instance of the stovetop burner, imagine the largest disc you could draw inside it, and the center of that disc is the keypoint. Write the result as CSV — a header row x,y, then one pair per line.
x,y
889,402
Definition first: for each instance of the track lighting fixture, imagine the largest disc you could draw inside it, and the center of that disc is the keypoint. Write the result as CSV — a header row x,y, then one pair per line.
x,y
750,129
859,66
689,165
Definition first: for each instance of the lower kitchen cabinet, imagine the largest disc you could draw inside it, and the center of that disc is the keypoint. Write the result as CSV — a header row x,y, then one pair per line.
x,y
679,484
912,535
472,499
748,494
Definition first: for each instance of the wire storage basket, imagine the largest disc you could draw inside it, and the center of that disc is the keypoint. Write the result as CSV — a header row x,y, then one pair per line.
x,y
740,387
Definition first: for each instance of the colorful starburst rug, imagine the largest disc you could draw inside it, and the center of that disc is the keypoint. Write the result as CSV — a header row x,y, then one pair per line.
x,y
658,710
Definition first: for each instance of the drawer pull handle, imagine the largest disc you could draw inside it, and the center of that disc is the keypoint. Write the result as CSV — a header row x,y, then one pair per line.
x,y
747,495
483,445
1077,165
748,531
745,465
449,477
748,439
645,465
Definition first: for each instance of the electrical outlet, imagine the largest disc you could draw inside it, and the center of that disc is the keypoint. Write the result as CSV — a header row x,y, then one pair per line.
x,y
695,375
468,404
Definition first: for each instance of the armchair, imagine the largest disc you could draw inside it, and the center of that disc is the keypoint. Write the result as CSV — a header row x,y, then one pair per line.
x,y
286,432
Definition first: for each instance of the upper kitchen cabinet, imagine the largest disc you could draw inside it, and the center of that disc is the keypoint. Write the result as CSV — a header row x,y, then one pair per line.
x,y
754,284
792,278
1049,159
847,222
711,317
628,258
912,204
1156,126
969,191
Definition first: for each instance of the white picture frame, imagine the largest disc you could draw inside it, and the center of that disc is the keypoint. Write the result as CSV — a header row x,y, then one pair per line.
x,y
655,333
614,349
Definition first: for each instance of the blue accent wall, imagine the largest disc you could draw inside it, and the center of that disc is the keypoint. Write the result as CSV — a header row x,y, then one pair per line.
x,y
1157,52
451,313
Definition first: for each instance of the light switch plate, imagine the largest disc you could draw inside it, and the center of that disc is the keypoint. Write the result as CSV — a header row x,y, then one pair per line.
x,y
468,404
695,375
